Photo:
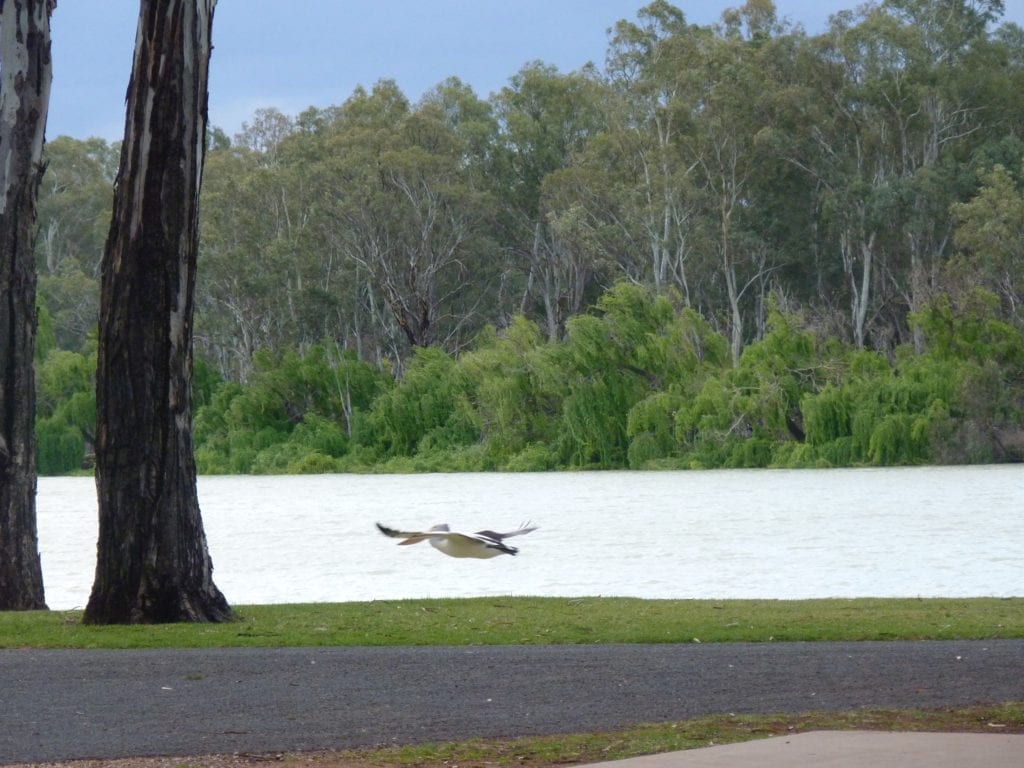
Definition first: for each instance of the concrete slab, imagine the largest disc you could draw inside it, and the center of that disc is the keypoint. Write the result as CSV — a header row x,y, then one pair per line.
x,y
848,749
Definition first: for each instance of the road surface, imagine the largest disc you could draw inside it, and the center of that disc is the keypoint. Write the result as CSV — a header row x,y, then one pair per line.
x,y
60,705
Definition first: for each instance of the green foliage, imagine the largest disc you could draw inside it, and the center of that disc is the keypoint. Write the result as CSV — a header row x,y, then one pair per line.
x,y
65,411
60,448
429,408
969,330
827,415
638,383
296,415
775,373
46,339
535,457
513,392
740,415
990,235
982,359
60,375
958,401
635,347
650,427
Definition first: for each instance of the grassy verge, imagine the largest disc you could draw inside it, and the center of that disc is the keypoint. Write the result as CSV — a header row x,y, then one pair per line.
x,y
576,749
687,734
528,620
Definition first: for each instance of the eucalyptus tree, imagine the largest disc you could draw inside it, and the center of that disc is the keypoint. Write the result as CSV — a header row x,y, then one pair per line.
x,y
236,315
152,560
407,212
74,217
654,68
469,117
262,211
990,237
25,76
545,118
265,132
732,110
895,108
584,207
75,197
839,139
933,111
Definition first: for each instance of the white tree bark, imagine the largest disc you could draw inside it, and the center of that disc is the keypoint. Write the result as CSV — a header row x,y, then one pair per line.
x,y
25,74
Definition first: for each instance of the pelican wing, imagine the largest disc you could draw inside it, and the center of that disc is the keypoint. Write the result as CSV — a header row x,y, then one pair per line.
x,y
524,528
396,534
412,537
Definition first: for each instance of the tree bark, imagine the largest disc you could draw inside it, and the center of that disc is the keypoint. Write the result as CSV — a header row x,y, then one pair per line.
x,y
153,564
25,74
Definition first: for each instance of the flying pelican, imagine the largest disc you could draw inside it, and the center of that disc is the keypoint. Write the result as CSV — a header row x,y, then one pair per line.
x,y
482,544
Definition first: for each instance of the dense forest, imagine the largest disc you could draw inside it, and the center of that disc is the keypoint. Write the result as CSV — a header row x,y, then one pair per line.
x,y
733,245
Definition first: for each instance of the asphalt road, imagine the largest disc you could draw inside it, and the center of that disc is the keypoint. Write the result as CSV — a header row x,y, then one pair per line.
x,y
58,705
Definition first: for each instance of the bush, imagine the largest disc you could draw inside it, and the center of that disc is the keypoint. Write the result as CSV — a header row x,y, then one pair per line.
x,y
60,448
749,454
426,409
313,463
535,457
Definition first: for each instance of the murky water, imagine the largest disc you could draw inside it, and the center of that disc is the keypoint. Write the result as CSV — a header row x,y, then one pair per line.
x,y
720,534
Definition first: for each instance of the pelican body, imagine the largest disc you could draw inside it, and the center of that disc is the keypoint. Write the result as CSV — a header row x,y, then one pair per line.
x,y
481,545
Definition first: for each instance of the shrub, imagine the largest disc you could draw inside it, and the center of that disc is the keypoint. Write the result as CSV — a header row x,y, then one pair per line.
x,y
60,448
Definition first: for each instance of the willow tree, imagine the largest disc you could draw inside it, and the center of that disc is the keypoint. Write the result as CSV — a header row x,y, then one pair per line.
x,y
153,564
25,73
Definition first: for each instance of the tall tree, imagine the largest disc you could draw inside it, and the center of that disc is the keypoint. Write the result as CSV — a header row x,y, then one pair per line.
x,y
656,68
727,155
153,564
74,218
545,117
25,74
408,213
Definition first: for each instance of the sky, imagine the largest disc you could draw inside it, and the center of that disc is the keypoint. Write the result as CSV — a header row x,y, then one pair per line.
x,y
293,54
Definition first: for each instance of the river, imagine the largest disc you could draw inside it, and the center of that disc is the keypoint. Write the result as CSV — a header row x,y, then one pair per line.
x,y
892,532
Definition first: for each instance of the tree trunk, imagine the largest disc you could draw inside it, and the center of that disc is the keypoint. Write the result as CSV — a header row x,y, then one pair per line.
x,y
25,73
859,295
153,564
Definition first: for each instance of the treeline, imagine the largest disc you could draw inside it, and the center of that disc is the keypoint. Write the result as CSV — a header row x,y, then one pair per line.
x,y
737,245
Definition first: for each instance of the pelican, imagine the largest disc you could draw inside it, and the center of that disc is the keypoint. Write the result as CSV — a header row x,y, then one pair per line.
x,y
482,544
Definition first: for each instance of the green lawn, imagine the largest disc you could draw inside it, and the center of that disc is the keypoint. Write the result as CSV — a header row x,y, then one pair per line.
x,y
537,620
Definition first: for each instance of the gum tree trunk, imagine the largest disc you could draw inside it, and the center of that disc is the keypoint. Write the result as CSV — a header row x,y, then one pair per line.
x,y
153,564
25,73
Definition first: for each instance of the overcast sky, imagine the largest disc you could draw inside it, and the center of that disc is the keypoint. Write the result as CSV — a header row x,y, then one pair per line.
x,y
292,54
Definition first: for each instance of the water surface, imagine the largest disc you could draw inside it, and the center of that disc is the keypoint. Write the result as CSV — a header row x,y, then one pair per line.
x,y
934,531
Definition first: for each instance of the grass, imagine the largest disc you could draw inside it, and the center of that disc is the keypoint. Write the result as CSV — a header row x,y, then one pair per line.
x,y
535,620
672,736
646,739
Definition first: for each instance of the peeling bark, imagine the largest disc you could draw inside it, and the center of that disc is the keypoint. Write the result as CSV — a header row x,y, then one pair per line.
x,y
153,564
25,74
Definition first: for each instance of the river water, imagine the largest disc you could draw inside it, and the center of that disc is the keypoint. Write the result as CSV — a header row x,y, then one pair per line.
x,y
905,532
